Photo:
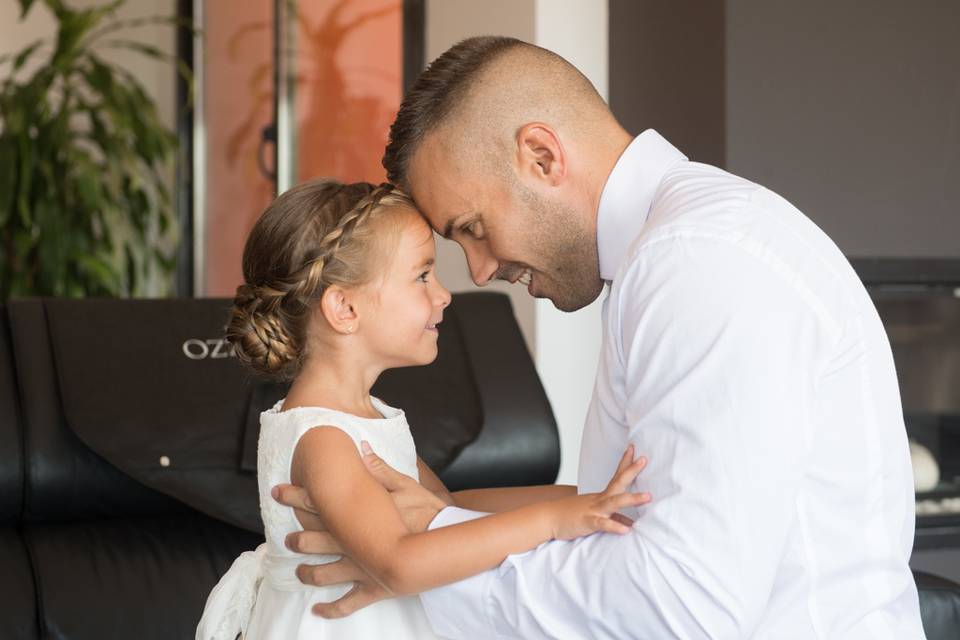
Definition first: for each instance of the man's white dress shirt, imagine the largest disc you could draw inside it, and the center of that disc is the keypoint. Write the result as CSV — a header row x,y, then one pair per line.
x,y
743,357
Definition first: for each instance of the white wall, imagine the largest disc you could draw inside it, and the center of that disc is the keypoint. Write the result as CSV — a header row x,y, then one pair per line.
x,y
15,35
568,344
565,346
447,23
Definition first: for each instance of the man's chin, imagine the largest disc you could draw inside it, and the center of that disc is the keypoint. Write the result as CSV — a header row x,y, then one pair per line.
x,y
568,307
570,301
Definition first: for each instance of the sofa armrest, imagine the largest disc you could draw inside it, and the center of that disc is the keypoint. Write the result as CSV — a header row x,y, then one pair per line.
x,y
939,605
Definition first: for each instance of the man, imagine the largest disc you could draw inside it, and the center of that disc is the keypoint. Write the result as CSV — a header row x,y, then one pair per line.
x,y
741,356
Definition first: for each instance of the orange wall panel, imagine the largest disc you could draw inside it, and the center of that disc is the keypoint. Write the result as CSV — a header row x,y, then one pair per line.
x,y
346,62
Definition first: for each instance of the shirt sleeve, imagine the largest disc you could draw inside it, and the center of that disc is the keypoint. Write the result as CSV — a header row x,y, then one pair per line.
x,y
718,352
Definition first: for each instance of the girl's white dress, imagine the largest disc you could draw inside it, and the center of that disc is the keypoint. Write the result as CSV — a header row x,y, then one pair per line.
x,y
260,596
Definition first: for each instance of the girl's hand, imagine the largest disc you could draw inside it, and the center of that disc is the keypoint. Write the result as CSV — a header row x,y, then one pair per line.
x,y
582,515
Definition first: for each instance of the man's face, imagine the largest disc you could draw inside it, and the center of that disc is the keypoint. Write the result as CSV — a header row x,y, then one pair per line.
x,y
507,230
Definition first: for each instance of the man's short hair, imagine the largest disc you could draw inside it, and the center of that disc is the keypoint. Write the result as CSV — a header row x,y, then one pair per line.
x,y
435,95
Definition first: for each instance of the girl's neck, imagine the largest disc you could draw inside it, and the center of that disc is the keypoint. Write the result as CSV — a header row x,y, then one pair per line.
x,y
332,382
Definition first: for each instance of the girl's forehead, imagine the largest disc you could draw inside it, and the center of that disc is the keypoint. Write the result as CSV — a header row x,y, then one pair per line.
x,y
415,231
405,242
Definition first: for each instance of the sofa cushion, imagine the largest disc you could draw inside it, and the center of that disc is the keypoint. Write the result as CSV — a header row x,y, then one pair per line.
x,y
143,578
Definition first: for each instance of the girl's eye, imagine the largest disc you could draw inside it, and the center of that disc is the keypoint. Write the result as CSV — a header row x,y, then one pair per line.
x,y
423,276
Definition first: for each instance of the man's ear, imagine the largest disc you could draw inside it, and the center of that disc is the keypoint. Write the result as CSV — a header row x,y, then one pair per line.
x,y
540,155
336,305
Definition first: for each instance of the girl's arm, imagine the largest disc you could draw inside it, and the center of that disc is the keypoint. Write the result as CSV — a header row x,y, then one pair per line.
x,y
361,515
492,500
506,498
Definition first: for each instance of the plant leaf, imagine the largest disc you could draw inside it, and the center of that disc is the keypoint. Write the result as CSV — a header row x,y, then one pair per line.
x,y
83,159
74,26
101,271
8,178
139,47
25,7
25,175
133,23
21,56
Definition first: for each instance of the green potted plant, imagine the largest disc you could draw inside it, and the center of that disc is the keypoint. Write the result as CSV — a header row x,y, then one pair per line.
x,y
85,208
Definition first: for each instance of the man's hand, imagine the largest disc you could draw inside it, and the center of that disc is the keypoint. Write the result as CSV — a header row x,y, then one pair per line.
x,y
365,589
416,504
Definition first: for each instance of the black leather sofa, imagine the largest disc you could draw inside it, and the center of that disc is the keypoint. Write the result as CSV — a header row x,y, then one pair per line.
x,y
128,446
128,451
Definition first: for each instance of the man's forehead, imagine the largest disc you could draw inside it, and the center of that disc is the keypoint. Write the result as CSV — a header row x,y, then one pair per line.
x,y
428,208
434,187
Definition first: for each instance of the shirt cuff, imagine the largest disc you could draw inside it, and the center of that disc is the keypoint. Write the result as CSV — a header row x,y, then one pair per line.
x,y
458,610
453,515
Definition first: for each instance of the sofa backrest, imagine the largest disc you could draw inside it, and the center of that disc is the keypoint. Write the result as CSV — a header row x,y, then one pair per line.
x,y
137,406
64,478
11,432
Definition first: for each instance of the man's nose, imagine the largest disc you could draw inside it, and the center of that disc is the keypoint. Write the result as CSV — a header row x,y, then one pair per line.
x,y
483,266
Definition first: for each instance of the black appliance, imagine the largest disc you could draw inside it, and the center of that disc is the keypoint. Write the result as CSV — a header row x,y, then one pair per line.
x,y
919,303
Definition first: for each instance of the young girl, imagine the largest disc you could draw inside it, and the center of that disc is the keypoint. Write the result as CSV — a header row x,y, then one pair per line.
x,y
340,286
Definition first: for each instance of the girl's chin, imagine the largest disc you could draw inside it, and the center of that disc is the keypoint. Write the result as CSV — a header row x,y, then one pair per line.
x,y
425,355
431,354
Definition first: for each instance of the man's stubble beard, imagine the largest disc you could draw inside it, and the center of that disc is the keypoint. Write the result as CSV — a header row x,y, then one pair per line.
x,y
568,252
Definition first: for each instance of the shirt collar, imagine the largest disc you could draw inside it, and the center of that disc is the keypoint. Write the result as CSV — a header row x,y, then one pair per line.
x,y
627,195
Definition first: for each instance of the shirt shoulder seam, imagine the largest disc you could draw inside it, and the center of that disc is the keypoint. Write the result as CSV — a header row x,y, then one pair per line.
x,y
784,273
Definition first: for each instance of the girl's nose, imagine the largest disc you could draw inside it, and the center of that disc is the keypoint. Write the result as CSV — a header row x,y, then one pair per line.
x,y
444,298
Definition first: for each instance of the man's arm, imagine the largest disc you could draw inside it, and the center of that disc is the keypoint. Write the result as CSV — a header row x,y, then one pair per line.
x,y
719,353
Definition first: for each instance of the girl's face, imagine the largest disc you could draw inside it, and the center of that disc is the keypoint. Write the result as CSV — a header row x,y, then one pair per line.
x,y
407,301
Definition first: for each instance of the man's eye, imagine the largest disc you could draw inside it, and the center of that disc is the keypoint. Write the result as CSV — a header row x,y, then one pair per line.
x,y
474,229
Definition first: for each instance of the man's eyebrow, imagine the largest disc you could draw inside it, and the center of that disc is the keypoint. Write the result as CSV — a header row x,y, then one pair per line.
x,y
451,223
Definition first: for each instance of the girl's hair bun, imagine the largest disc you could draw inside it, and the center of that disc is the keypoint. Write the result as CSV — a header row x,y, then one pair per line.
x,y
258,333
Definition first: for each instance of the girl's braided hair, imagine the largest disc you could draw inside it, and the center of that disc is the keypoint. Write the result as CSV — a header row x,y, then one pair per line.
x,y
313,236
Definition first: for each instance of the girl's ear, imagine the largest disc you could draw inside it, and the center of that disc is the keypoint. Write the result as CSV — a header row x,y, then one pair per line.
x,y
338,310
